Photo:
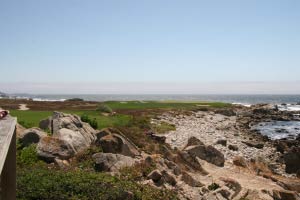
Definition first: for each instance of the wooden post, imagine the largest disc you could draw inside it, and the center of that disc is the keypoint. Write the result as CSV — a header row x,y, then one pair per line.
x,y
8,175
8,158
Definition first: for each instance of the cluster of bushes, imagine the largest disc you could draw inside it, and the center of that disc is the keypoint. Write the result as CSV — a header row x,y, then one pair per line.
x,y
46,184
92,122
37,180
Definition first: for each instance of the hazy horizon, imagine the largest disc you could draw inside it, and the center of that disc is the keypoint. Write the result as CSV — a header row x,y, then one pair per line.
x,y
154,88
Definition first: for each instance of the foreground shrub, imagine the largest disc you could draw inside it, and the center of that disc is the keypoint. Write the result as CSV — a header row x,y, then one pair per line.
x,y
92,122
42,183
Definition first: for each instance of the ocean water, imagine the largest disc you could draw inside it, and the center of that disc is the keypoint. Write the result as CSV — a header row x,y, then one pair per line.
x,y
241,99
279,129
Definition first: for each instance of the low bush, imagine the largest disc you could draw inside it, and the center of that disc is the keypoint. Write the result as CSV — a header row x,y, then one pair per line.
x,y
92,122
42,183
104,108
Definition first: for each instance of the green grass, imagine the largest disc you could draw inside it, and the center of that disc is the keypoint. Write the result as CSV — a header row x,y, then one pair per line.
x,y
31,118
163,127
163,104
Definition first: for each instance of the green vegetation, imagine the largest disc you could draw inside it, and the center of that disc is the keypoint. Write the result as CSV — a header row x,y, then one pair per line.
x,y
92,122
37,180
27,156
163,127
115,105
213,186
31,118
49,184
104,109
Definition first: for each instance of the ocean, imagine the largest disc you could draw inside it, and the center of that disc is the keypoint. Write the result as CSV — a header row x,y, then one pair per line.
x,y
243,99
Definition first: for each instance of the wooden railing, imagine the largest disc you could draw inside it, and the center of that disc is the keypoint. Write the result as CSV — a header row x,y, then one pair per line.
x,y
8,158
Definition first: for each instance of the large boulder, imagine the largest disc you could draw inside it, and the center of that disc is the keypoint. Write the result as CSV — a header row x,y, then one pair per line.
x,y
113,141
74,138
61,120
110,162
31,136
292,160
69,136
208,153
50,148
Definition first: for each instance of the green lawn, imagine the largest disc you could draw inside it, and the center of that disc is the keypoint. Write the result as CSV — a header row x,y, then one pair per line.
x,y
162,104
32,118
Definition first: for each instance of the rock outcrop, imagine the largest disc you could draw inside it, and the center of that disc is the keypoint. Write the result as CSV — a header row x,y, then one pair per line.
x,y
110,162
208,153
69,136
113,141
31,136
50,148
292,160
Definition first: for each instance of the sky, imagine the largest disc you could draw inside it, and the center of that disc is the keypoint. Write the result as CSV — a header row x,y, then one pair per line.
x,y
150,46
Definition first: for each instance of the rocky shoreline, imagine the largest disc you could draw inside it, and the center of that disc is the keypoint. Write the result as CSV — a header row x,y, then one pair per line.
x,y
212,154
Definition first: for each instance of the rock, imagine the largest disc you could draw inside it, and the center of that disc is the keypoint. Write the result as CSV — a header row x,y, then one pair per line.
x,y
155,175
208,153
234,186
292,160
75,139
177,170
281,146
102,133
226,112
115,143
233,147
19,130
170,164
168,178
50,148
69,136
239,161
46,124
188,179
192,162
194,141
222,142
285,195
110,162
31,136
291,184
61,120
254,144
63,164
159,138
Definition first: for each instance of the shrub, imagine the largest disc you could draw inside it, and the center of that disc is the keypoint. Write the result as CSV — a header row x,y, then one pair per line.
x,y
27,156
92,122
104,108
42,183
213,186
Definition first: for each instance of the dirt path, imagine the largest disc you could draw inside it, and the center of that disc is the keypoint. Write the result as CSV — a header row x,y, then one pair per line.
x,y
23,107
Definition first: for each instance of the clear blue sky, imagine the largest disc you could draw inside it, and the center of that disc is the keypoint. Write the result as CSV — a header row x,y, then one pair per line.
x,y
149,40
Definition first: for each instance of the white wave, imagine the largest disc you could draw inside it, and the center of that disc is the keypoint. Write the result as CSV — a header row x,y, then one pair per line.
x,y
289,107
242,104
40,99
